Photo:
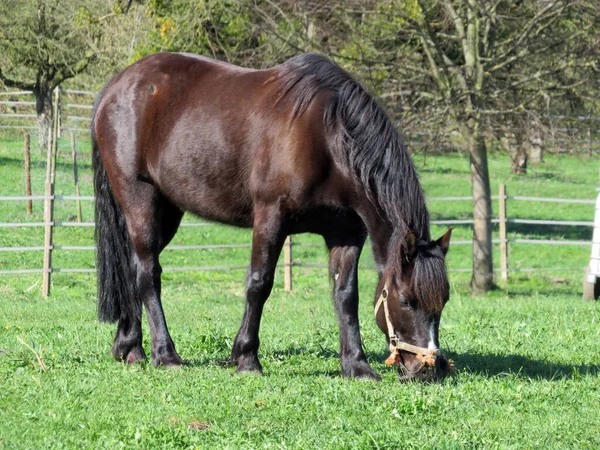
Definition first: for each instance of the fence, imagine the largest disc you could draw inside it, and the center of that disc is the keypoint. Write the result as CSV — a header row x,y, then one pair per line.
x,y
72,108
288,263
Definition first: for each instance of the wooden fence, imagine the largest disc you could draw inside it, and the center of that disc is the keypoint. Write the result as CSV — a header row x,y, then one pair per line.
x,y
71,107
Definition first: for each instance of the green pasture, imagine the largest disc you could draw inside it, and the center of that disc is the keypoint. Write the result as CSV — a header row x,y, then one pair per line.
x,y
527,354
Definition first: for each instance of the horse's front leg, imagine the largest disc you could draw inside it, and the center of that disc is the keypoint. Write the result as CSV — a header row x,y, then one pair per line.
x,y
343,266
267,241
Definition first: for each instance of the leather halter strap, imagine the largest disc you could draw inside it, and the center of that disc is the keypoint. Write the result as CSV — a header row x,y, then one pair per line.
x,y
395,344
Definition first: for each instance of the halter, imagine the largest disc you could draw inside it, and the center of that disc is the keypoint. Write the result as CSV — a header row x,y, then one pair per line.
x,y
425,355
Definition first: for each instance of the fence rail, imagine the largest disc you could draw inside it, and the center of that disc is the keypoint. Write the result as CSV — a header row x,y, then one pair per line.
x,y
289,262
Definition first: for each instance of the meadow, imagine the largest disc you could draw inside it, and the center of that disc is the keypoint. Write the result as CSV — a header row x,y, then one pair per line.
x,y
527,354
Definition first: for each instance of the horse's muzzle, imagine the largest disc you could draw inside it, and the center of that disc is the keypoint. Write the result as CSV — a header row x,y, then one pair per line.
x,y
424,369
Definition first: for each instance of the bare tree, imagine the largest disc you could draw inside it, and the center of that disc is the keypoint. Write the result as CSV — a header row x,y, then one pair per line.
x,y
480,67
484,58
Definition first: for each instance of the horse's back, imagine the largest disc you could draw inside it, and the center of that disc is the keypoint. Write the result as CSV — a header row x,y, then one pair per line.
x,y
179,122
213,137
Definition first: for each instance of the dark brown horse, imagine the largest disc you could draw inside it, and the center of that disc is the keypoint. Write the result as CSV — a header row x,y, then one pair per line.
x,y
301,147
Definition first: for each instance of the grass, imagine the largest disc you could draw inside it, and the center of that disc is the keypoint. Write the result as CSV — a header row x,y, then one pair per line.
x,y
527,375
527,353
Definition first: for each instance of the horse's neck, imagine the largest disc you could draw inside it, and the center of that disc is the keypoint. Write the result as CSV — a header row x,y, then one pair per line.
x,y
380,231
381,228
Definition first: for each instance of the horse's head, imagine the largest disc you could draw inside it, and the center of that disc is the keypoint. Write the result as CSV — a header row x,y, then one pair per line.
x,y
408,305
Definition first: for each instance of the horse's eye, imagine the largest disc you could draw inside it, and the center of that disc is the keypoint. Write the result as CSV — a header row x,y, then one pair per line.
x,y
404,302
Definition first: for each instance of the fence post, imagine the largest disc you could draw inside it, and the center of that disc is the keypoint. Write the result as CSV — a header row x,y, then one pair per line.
x,y
287,264
58,116
49,202
28,173
48,215
503,234
75,177
589,139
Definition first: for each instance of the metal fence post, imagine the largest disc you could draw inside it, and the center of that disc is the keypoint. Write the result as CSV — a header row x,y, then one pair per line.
x,y
287,264
48,216
503,234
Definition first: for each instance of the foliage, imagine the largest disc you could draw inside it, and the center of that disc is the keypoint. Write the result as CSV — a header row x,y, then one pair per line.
x,y
221,29
49,41
45,42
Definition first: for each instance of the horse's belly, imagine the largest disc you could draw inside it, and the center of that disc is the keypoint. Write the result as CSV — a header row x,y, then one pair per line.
x,y
206,187
224,206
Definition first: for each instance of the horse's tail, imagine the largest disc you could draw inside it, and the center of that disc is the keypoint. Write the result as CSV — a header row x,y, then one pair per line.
x,y
117,294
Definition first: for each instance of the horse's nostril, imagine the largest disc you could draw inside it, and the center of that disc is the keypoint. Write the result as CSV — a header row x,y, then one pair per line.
x,y
437,371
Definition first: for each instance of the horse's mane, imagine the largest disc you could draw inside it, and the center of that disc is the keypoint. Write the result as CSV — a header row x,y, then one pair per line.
x,y
364,137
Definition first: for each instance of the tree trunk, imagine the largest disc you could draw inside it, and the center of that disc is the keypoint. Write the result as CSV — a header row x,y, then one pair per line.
x,y
482,279
43,102
536,147
519,158
514,143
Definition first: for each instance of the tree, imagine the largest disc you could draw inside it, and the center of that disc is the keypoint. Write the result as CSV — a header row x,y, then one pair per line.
x,y
221,29
483,58
478,64
45,42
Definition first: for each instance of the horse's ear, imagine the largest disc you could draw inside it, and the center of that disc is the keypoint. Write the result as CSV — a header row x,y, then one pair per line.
x,y
444,241
411,244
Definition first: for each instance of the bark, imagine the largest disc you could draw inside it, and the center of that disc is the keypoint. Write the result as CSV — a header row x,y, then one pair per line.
x,y
515,145
536,147
519,159
482,278
43,102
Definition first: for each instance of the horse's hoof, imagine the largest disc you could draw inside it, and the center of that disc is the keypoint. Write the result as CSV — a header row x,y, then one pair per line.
x,y
254,372
131,356
172,361
360,370
135,356
249,365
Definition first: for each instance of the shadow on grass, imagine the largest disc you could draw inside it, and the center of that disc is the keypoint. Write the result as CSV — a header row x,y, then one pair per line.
x,y
527,230
565,232
432,169
545,174
486,365
490,365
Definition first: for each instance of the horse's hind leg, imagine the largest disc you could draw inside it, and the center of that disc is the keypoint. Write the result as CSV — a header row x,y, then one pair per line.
x,y
128,340
267,241
152,222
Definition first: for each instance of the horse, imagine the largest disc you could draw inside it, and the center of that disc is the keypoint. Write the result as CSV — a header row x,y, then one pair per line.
x,y
299,147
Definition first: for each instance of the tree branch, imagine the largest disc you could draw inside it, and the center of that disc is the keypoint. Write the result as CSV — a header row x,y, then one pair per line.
x,y
9,82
